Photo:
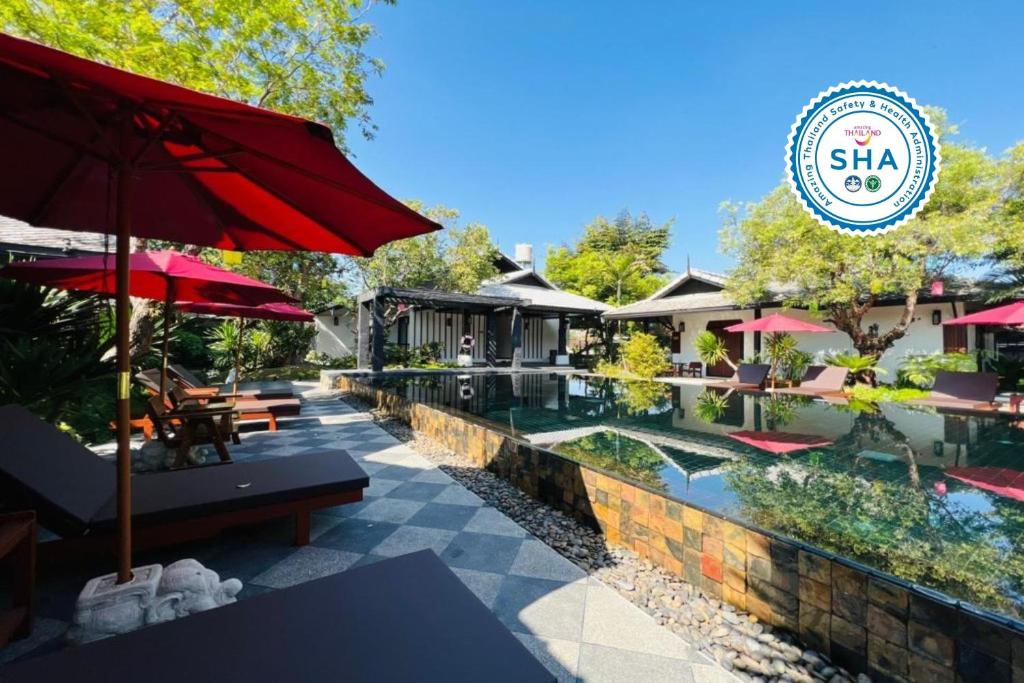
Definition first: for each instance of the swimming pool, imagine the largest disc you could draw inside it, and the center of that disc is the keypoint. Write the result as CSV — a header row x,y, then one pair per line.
x,y
935,499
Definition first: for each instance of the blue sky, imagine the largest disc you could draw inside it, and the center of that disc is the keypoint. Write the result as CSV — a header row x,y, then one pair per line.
x,y
534,117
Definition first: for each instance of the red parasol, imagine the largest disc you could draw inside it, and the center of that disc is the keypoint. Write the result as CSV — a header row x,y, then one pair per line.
x,y
1010,315
264,312
162,275
284,312
90,147
780,442
1004,482
776,322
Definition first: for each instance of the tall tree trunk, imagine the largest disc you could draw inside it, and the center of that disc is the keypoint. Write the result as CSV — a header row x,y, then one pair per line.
x,y
848,318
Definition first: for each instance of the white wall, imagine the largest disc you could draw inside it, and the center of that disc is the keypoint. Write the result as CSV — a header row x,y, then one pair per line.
x,y
338,340
922,336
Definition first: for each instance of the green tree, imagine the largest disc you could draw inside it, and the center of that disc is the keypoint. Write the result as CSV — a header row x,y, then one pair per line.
x,y
302,57
616,262
775,241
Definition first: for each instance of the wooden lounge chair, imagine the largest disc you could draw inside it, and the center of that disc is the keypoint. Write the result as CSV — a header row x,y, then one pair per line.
x,y
962,391
748,376
408,618
73,491
819,380
181,429
187,380
246,409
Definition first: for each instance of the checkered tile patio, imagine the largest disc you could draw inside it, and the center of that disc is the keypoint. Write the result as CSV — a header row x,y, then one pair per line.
x,y
578,627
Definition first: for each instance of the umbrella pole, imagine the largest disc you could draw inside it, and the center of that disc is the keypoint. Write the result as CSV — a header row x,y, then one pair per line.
x,y
168,312
238,355
123,307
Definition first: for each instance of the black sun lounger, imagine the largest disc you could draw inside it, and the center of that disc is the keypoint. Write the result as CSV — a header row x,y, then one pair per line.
x,y
404,619
73,491
962,391
748,376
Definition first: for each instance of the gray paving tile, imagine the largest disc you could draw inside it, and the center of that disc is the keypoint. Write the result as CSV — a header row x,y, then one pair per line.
x,y
434,476
380,487
44,631
539,561
409,539
541,607
394,510
356,535
560,657
484,585
488,520
306,564
458,495
612,621
415,490
397,473
599,664
442,516
483,552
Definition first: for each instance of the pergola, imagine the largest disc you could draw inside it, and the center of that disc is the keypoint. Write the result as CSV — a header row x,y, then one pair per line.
x,y
370,325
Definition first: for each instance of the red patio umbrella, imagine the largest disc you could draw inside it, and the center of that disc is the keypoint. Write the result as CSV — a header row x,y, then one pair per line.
x,y
776,323
90,147
1009,315
161,275
780,442
999,480
285,312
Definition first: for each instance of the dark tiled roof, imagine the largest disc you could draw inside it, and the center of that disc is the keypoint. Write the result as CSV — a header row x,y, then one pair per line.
x,y
18,236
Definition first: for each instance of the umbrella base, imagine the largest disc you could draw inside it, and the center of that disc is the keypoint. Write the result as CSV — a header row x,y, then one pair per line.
x,y
154,594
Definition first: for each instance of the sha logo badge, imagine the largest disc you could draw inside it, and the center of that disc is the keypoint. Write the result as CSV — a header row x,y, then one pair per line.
x,y
862,135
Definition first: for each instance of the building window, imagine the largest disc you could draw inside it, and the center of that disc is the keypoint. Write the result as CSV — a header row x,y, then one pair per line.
x,y
403,331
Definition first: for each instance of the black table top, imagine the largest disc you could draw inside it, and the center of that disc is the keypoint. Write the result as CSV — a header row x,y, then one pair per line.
x,y
408,618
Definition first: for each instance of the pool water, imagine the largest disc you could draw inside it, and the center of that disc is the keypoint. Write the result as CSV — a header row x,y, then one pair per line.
x,y
936,499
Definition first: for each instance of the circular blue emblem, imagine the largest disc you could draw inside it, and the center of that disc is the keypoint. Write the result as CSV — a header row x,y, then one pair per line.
x,y
862,130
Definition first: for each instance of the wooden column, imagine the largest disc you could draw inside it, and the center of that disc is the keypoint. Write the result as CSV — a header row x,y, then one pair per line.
x,y
517,338
491,352
563,334
377,335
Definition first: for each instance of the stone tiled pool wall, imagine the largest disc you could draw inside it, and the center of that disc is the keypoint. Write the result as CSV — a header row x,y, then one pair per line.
x,y
863,619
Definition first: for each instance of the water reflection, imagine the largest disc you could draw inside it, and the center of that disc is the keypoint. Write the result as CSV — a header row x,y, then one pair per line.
x,y
934,498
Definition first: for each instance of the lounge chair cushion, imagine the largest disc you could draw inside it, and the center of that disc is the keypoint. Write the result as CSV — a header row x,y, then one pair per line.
x,y
408,618
279,407
164,497
980,387
73,490
824,378
753,374
46,470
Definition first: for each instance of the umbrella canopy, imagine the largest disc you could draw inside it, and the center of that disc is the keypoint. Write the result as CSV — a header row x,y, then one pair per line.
x,y
205,170
1010,314
776,322
1001,481
167,276
90,147
780,442
265,312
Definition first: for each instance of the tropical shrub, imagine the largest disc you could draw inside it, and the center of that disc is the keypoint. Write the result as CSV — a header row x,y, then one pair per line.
x,y
710,406
918,370
863,369
643,356
711,349
55,357
1009,369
